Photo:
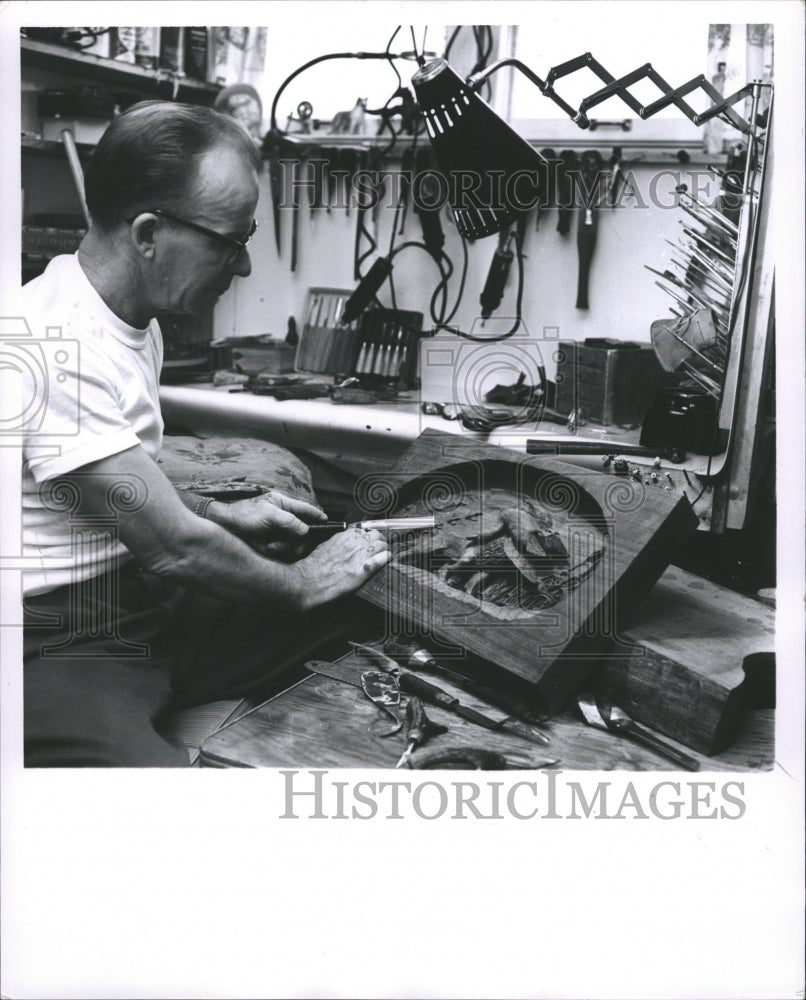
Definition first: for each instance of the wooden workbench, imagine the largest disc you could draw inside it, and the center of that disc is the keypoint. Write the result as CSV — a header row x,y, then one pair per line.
x,y
321,722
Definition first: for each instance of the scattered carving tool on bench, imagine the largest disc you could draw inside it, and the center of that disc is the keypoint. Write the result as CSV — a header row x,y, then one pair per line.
x,y
382,689
419,729
614,720
412,656
670,452
433,695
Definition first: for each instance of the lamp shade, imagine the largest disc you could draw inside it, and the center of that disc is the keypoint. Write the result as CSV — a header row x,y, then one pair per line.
x,y
489,173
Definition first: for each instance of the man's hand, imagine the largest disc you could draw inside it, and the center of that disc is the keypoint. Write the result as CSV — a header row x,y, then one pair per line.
x,y
270,517
340,565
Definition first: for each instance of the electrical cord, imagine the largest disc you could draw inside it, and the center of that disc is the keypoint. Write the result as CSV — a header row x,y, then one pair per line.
x,y
324,58
518,306
484,45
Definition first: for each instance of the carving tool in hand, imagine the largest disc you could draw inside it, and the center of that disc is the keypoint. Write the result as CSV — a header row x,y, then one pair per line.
x,y
433,695
384,524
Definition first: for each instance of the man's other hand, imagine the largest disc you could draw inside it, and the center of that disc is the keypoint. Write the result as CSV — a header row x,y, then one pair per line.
x,y
270,517
340,565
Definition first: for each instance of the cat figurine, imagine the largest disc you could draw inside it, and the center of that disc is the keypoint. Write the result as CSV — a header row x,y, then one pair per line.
x,y
350,122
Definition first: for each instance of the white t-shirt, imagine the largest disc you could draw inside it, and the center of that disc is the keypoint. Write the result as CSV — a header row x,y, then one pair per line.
x,y
102,397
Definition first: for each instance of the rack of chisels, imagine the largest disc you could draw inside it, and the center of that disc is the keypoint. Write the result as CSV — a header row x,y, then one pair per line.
x,y
380,347
708,272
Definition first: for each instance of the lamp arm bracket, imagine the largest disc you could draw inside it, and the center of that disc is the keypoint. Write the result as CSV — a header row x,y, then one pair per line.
x,y
619,87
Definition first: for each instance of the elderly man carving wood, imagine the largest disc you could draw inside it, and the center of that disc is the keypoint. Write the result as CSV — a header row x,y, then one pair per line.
x,y
146,599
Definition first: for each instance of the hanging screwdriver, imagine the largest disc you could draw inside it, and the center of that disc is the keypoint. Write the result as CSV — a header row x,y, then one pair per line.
x,y
497,276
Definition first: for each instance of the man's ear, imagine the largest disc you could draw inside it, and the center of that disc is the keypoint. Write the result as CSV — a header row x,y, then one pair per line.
x,y
144,230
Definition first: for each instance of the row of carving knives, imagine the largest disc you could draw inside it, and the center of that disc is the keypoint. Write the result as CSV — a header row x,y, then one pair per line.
x,y
325,345
382,344
387,343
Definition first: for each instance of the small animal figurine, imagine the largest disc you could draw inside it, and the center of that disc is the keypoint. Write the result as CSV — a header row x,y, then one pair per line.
x,y
350,122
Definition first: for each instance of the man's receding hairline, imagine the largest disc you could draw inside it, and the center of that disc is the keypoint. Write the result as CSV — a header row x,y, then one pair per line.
x,y
198,158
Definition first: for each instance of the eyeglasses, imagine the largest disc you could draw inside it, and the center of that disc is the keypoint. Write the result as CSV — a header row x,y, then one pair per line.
x,y
237,246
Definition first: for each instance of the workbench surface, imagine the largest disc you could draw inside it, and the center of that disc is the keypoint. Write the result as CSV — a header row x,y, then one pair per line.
x,y
368,438
321,722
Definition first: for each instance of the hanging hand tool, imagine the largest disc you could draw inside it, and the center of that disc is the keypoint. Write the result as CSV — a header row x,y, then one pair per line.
x,y
419,729
493,291
299,165
317,189
378,194
615,180
349,160
548,196
363,204
613,719
366,289
564,185
433,695
406,168
588,224
271,149
428,205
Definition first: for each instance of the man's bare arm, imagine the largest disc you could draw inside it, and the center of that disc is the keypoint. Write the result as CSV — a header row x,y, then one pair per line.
x,y
168,539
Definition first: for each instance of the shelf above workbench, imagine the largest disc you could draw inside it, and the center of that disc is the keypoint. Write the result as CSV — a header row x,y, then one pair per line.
x,y
156,82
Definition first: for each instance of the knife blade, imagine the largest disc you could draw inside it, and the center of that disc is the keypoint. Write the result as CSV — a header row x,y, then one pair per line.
x,y
413,684
337,671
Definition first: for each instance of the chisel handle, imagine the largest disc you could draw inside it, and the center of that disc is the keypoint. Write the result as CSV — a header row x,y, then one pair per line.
x,y
649,739
413,684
